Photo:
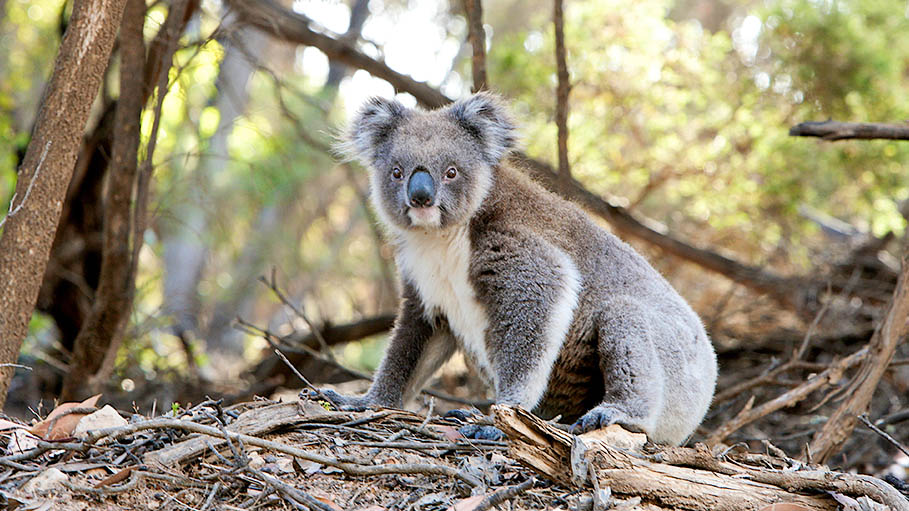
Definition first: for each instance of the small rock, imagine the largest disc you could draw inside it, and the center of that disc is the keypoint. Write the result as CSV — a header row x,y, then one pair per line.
x,y
46,481
106,417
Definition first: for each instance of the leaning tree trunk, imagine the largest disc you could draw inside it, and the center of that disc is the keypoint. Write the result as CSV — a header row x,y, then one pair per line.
x,y
47,168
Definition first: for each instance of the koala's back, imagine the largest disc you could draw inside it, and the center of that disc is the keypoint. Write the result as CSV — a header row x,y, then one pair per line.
x,y
618,286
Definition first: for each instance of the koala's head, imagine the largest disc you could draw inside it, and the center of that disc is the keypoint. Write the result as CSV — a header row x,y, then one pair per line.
x,y
430,169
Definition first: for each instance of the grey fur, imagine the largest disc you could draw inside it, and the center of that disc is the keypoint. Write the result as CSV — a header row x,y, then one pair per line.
x,y
559,315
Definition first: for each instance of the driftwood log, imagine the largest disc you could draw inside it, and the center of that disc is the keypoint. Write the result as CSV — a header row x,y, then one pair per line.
x,y
694,478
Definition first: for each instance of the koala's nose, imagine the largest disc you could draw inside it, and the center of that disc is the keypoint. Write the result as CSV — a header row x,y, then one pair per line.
x,y
420,189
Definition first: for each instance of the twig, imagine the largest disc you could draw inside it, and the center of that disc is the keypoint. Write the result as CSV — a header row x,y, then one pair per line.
x,y
297,496
349,468
563,89
318,391
273,285
505,494
833,130
17,366
747,416
477,37
879,431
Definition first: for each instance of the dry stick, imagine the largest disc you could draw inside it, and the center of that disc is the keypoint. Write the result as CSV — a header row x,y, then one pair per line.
x,y
879,431
504,494
297,496
564,87
273,285
477,37
833,130
748,415
349,468
255,330
881,348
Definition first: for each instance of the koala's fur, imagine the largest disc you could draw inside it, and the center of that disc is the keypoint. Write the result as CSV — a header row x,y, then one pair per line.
x,y
558,315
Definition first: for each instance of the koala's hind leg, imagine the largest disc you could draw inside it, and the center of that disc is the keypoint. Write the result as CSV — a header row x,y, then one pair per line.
x,y
633,375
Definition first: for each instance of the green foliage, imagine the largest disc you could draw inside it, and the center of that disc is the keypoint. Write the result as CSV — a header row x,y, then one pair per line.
x,y
691,127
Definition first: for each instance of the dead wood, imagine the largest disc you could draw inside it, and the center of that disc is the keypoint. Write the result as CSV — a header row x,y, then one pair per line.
x,y
748,414
679,477
881,349
834,130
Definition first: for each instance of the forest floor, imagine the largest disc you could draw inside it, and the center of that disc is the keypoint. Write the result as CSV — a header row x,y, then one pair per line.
x,y
300,454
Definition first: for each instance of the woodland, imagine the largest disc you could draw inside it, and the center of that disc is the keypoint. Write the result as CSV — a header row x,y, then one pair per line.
x,y
182,249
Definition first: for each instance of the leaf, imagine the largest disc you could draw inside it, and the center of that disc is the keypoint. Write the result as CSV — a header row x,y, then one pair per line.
x,y
116,478
451,433
63,425
325,498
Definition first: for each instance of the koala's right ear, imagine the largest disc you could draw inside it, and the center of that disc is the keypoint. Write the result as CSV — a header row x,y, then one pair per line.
x,y
370,127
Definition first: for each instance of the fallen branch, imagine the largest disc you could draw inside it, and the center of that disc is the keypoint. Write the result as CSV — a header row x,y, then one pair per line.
x,y
833,130
881,349
748,415
679,477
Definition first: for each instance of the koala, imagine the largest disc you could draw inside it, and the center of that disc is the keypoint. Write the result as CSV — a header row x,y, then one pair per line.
x,y
558,315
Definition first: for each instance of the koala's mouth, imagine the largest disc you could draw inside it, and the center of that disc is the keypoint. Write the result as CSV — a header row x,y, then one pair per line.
x,y
430,216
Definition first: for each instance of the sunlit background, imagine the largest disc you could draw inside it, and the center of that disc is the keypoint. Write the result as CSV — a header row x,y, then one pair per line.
x,y
679,112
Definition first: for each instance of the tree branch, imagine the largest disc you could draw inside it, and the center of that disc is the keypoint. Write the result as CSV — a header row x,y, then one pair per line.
x,y
477,37
285,24
562,90
833,130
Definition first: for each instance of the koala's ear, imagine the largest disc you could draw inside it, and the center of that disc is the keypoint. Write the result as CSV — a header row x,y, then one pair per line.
x,y
370,127
485,117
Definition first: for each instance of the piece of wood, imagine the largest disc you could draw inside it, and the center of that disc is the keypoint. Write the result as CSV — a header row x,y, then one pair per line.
x,y
833,130
679,477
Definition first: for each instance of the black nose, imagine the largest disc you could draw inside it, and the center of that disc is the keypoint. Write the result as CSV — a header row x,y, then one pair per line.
x,y
420,190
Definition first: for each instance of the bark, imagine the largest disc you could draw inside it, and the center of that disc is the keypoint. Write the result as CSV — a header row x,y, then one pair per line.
x,y
833,130
838,428
47,168
113,296
338,70
477,37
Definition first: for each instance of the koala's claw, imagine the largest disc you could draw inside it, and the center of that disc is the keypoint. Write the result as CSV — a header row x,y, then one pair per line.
x,y
599,417
478,432
346,403
461,415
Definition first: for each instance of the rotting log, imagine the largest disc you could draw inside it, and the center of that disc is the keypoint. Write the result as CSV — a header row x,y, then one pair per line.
x,y
694,479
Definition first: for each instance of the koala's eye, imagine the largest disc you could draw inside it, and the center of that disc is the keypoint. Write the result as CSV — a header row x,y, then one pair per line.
x,y
396,173
451,173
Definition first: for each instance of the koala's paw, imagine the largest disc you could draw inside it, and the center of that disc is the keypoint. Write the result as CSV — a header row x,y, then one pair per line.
x,y
346,403
461,414
478,432
600,417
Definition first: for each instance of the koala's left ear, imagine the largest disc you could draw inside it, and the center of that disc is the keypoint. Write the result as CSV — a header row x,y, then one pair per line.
x,y
370,127
485,117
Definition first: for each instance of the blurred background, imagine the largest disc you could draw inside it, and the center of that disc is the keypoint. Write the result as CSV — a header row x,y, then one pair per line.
x,y
679,116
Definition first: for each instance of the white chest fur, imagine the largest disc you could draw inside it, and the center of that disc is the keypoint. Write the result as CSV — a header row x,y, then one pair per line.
x,y
436,263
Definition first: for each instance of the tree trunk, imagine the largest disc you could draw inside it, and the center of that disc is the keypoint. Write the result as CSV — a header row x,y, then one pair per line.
x,y
47,168
113,296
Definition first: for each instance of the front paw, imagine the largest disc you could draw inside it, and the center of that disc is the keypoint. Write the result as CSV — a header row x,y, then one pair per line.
x,y
346,403
599,417
479,432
